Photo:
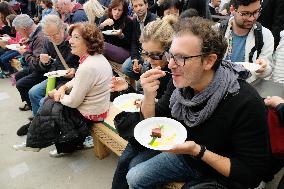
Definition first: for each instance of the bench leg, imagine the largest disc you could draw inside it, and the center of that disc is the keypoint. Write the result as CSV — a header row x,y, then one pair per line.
x,y
100,150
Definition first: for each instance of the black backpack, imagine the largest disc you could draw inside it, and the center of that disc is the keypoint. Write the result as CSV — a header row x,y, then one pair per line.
x,y
257,34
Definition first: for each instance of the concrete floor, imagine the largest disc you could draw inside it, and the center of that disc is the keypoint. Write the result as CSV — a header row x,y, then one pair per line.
x,y
36,170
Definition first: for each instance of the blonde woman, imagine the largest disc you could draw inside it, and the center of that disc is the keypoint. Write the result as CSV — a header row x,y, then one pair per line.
x,y
156,39
93,10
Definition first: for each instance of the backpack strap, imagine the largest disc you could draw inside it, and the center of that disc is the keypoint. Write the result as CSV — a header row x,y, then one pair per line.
x,y
223,27
258,41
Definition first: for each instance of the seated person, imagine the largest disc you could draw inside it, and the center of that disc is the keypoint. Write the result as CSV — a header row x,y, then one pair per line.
x,y
8,55
224,116
156,39
55,31
167,7
241,35
117,43
88,98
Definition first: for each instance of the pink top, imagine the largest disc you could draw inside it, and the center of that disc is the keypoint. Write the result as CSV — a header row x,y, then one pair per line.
x,y
15,40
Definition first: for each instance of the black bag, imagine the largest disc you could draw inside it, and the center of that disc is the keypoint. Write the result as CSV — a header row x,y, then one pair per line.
x,y
125,123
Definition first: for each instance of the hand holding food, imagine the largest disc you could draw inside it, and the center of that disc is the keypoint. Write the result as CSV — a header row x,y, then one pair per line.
x,y
44,58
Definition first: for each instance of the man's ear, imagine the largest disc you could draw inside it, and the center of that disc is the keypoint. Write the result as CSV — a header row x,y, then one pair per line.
x,y
209,61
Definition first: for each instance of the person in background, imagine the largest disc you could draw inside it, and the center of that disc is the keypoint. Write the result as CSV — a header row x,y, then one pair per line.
x,y
8,55
200,5
93,10
167,7
188,13
132,66
33,38
5,10
278,63
71,12
117,43
85,97
47,8
272,17
241,38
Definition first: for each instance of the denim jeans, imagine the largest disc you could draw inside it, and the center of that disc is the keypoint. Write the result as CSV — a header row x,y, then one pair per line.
x,y
127,69
5,60
130,157
36,93
159,170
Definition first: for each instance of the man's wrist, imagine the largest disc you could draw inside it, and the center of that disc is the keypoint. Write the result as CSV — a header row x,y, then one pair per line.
x,y
201,152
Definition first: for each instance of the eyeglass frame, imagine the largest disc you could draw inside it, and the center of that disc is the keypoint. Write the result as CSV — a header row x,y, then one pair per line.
x,y
185,58
249,14
145,53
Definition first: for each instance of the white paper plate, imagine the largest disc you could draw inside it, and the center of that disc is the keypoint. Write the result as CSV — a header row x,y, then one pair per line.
x,y
252,67
15,46
57,73
110,32
173,132
125,102
5,38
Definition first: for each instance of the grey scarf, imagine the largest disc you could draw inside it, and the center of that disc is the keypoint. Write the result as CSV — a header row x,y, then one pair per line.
x,y
224,82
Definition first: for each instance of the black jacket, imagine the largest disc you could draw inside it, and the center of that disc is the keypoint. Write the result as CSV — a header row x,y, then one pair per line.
x,y
237,129
272,17
135,43
55,123
126,26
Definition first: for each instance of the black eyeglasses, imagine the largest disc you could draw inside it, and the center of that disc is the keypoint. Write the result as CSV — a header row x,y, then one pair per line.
x,y
154,56
250,14
179,59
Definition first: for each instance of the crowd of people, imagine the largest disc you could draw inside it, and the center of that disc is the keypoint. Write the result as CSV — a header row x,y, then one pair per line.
x,y
180,54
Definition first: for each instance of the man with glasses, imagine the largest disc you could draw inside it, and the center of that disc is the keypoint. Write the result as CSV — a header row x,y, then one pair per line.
x,y
225,119
242,37
55,31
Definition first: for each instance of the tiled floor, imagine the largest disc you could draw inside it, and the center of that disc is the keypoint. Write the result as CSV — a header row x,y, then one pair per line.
x,y
36,170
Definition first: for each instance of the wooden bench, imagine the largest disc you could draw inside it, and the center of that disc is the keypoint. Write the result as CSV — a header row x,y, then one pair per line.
x,y
107,140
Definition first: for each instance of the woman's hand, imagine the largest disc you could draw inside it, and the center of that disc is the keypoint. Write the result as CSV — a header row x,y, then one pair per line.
x,y
118,84
107,22
59,94
70,73
273,101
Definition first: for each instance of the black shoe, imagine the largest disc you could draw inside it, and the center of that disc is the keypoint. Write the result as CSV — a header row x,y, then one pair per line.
x,y
23,130
25,108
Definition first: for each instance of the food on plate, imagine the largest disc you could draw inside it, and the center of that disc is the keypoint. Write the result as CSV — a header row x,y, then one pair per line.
x,y
157,132
138,103
162,135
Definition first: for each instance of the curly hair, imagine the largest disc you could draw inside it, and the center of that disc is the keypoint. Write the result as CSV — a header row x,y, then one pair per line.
x,y
160,30
212,42
92,36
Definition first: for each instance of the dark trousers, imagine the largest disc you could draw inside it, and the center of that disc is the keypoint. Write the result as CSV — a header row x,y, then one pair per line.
x,y
25,80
